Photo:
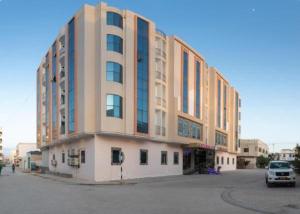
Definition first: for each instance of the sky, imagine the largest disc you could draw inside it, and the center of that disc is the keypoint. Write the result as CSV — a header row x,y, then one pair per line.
x,y
254,43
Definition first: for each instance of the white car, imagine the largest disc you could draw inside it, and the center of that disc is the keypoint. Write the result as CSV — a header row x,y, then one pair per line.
x,y
280,172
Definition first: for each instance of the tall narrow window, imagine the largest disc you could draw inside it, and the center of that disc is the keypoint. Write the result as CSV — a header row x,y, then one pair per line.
x,y
237,104
219,105
225,107
71,77
114,106
114,72
82,156
142,76
143,157
185,82
114,19
114,43
198,88
47,98
176,158
53,80
164,158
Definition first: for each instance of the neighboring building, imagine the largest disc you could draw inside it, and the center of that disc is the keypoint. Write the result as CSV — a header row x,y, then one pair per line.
x,y
113,84
21,152
250,149
1,146
33,160
12,156
287,154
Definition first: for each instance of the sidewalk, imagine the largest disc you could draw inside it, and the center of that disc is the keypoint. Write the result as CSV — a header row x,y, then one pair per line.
x,y
76,181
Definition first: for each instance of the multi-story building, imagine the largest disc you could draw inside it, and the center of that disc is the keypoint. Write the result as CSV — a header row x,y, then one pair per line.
x,y
112,86
250,149
1,146
287,154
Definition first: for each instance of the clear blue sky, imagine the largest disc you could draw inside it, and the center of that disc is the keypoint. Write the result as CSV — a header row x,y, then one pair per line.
x,y
255,43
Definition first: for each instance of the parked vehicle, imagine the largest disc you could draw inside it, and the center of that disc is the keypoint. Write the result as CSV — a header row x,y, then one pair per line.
x,y
280,172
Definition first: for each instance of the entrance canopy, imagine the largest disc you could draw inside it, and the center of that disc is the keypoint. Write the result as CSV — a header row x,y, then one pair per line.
x,y
199,145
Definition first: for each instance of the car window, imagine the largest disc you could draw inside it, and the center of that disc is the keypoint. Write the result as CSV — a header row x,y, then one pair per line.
x,y
280,165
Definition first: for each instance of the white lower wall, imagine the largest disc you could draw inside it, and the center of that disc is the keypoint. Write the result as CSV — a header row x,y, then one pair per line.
x,y
131,166
98,167
85,171
225,166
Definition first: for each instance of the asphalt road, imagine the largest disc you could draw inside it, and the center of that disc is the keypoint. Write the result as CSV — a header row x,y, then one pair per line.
x,y
241,192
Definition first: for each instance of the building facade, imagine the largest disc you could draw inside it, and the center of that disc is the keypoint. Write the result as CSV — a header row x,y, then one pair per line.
x,y
21,153
113,85
250,149
1,146
287,154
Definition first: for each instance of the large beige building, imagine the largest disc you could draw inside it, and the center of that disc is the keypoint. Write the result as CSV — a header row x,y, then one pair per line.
x,y
112,84
250,149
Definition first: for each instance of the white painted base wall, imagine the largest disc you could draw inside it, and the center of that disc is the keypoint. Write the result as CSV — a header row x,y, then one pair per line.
x,y
226,166
98,158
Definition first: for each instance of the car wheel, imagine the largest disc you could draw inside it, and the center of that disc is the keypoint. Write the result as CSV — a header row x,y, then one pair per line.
x,y
269,184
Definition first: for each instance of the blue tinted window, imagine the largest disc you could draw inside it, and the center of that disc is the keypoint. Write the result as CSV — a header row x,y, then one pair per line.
x,y
114,72
54,103
185,82
187,128
198,88
71,77
142,75
114,43
219,104
225,104
47,99
114,19
114,106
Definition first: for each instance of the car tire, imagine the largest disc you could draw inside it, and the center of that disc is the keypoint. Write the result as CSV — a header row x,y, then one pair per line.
x,y
269,184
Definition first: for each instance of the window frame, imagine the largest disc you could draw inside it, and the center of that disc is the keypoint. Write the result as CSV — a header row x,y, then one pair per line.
x,y
161,157
114,72
176,154
112,159
115,46
82,156
146,152
120,106
114,21
63,157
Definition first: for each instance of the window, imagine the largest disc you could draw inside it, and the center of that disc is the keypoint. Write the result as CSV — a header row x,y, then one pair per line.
x,y
164,158
71,77
113,106
63,157
246,149
218,160
185,82
259,149
233,161
53,157
115,156
82,156
53,83
221,139
142,60
114,72
187,128
143,157
176,158
219,105
114,19
225,107
222,160
227,161
198,88
114,43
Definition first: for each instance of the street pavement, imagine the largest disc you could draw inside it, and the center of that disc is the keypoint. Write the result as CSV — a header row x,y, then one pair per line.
x,y
241,192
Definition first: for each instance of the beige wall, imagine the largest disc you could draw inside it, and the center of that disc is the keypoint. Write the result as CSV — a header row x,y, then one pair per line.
x,y
256,148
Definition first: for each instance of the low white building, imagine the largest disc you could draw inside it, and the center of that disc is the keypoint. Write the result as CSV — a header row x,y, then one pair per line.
x,y
21,153
287,154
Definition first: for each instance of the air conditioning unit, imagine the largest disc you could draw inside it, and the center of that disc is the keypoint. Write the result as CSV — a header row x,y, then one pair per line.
x,y
73,162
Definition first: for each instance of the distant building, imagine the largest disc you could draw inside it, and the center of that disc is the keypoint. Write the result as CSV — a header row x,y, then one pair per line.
x,y
21,152
251,149
287,154
1,147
